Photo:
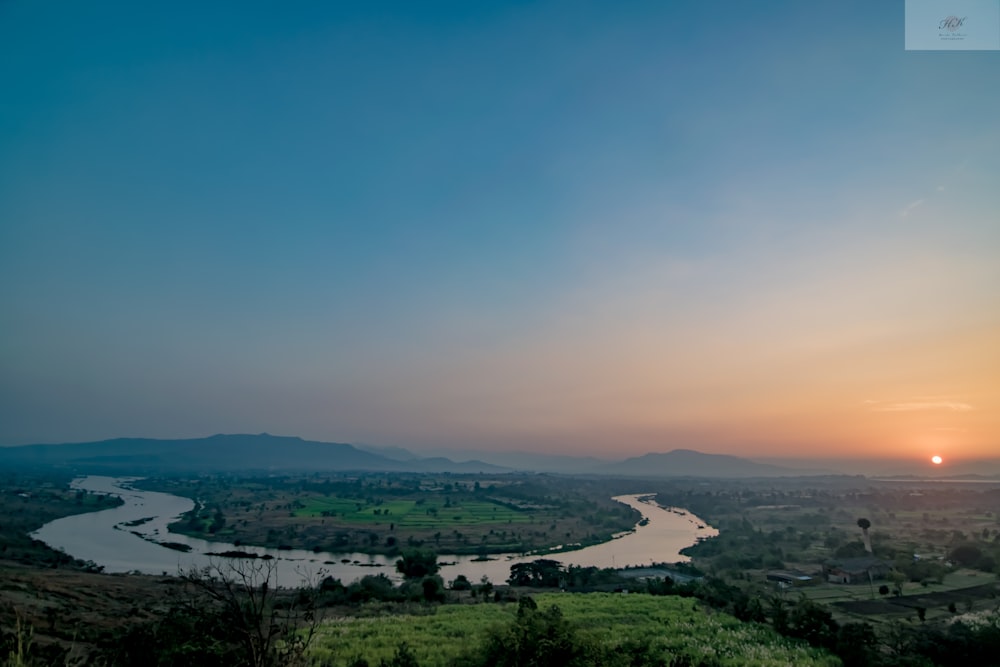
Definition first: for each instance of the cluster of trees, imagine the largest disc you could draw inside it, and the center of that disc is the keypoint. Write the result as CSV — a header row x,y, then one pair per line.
x,y
956,644
857,644
802,520
421,583
970,554
547,573
742,546
30,499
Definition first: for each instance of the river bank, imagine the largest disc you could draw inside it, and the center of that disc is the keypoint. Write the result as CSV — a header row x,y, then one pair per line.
x,y
127,539
380,514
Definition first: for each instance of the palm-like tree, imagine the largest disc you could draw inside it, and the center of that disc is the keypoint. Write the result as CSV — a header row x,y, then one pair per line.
x,y
864,524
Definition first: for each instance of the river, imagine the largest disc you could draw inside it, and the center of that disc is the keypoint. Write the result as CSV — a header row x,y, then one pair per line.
x,y
124,539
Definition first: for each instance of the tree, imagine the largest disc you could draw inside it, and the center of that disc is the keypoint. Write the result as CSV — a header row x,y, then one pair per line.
x,y
416,563
864,524
191,631
485,587
536,638
856,644
779,614
967,555
373,587
432,588
540,573
264,620
811,622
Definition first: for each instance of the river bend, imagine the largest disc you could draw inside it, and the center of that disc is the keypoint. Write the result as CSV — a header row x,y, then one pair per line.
x,y
125,539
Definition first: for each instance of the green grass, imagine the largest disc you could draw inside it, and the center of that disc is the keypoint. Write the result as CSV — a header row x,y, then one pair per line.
x,y
826,592
963,578
411,514
834,592
831,593
672,625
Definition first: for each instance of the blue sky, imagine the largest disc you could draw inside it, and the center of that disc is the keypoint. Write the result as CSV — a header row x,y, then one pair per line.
x,y
570,227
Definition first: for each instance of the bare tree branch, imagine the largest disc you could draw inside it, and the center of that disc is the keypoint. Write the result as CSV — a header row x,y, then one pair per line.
x,y
274,626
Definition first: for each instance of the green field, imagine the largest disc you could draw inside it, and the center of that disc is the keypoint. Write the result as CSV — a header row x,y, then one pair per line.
x,y
381,513
672,626
411,513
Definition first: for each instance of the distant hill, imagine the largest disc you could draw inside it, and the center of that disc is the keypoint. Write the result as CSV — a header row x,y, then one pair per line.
x,y
441,464
395,453
219,453
272,453
677,463
534,462
689,463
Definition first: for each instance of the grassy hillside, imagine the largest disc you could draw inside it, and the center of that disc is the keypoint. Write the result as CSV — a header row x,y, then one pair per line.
x,y
673,628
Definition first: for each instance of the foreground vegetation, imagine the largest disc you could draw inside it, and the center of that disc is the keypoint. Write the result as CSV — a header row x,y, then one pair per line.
x,y
564,629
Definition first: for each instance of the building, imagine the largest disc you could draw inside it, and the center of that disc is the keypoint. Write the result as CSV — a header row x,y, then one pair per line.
x,y
789,577
855,570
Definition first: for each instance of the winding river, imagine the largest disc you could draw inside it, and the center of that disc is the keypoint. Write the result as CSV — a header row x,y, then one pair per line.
x,y
125,539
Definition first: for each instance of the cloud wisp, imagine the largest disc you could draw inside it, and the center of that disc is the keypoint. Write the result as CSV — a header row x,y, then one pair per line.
x,y
917,405
909,208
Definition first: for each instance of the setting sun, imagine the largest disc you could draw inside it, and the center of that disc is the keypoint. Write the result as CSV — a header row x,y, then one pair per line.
x,y
936,460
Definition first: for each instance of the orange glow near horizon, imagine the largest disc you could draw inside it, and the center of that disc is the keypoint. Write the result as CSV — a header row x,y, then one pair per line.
x,y
744,387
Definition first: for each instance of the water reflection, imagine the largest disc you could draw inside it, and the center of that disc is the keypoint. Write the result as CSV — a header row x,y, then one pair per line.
x,y
125,539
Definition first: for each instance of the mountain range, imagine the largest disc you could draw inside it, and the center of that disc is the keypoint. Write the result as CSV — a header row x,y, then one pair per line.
x,y
263,452
690,463
270,453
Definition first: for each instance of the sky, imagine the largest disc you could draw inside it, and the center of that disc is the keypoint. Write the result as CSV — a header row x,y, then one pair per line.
x,y
587,228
